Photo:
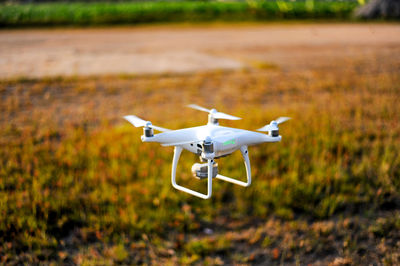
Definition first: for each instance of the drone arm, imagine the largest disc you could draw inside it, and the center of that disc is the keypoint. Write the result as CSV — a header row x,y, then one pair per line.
x,y
177,154
246,159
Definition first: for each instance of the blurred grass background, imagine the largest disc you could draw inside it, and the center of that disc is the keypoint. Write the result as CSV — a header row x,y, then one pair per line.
x,y
111,13
78,186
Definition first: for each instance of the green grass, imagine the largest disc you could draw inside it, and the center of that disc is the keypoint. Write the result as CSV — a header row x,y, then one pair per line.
x,y
82,14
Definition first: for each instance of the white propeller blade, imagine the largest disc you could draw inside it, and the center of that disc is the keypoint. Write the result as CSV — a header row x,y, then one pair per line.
x,y
215,114
274,124
198,107
282,119
159,128
138,122
219,115
268,127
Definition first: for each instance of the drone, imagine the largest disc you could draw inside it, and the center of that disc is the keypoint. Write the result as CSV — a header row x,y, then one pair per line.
x,y
209,142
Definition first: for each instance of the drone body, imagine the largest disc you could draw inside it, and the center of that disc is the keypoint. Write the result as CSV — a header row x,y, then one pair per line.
x,y
210,142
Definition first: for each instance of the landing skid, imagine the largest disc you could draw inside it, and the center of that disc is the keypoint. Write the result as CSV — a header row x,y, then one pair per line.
x,y
210,162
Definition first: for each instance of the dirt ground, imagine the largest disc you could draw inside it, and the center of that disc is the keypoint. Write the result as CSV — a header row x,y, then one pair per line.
x,y
164,49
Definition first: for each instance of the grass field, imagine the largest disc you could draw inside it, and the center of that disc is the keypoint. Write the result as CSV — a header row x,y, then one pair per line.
x,y
58,14
77,185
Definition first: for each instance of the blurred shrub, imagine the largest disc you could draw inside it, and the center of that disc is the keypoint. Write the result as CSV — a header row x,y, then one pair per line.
x,y
103,13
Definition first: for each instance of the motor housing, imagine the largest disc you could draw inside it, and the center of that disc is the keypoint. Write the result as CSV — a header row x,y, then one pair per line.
x,y
148,132
208,146
200,170
275,133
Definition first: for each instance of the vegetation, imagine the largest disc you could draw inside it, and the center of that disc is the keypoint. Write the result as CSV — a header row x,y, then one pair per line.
x,y
102,13
77,185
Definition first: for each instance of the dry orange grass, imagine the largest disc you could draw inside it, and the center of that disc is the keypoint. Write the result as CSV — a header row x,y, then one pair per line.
x,y
77,185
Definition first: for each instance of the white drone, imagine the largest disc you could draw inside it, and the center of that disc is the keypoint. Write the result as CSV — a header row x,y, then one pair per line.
x,y
210,142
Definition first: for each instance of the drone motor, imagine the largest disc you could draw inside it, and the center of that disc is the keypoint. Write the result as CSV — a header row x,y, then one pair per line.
x,y
275,133
208,146
148,130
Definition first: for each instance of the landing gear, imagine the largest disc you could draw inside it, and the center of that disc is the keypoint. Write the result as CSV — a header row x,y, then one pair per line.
x,y
208,170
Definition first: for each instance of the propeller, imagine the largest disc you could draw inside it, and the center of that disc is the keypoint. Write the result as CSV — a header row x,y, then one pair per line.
x,y
274,124
138,122
214,113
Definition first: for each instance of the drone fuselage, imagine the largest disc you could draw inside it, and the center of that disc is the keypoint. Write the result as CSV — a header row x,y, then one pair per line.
x,y
226,139
210,142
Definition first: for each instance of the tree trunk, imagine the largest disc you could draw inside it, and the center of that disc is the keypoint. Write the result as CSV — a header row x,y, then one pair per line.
x,y
379,9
